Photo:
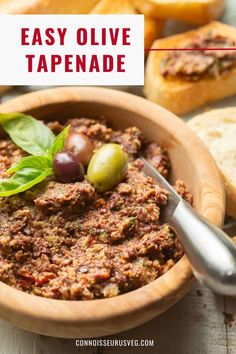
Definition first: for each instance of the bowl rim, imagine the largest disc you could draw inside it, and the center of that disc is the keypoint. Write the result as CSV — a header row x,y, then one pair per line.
x,y
162,292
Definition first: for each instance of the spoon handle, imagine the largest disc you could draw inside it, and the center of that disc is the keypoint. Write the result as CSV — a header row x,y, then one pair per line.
x,y
210,251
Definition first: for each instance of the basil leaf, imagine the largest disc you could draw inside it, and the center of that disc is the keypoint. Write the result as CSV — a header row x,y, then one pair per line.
x,y
28,133
23,180
59,142
37,162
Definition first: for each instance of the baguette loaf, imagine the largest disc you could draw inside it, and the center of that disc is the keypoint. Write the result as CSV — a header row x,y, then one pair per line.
x,y
192,11
152,27
217,129
178,94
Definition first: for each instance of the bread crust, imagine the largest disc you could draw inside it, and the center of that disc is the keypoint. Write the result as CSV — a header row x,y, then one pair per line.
x,y
47,6
192,11
181,96
21,7
217,116
3,89
152,30
230,198
114,7
152,27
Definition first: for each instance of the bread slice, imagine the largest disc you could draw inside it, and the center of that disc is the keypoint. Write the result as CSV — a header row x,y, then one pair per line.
x,y
181,96
70,6
191,11
153,27
47,6
21,7
217,129
114,7
152,30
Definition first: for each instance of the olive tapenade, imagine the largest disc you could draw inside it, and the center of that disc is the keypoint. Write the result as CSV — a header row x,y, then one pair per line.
x,y
70,241
201,58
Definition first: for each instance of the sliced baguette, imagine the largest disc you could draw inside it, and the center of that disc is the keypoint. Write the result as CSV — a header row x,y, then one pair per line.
x,y
191,11
114,7
153,27
70,6
22,7
181,96
152,30
217,129
47,6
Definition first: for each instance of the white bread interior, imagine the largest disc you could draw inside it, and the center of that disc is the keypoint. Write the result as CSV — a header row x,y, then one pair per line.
x,y
217,129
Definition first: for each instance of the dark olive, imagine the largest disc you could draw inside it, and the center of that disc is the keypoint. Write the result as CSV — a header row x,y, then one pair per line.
x,y
67,167
81,146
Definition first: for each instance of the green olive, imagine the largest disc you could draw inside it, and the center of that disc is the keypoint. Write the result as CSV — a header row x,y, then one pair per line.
x,y
107,167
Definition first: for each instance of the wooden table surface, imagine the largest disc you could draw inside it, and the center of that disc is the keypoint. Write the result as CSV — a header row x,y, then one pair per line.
x,y
195,325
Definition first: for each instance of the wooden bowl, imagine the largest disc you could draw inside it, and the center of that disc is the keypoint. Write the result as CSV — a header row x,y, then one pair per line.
x,y
191,162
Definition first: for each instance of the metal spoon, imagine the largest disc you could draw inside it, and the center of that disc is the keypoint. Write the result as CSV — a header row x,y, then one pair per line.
x,y
210,251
